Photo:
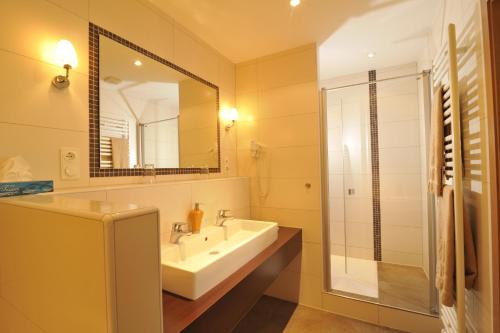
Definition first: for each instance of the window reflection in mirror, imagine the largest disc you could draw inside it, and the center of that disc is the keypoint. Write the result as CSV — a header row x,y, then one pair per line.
x,y
152,114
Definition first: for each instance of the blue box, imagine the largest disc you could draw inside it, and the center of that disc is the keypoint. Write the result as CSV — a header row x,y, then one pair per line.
x,y
25,188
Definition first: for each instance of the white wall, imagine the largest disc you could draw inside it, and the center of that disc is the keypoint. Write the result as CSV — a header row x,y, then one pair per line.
x,y
400,166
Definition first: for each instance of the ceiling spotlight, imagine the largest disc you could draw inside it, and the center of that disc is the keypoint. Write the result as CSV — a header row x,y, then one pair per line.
x,y
294,3
138,63
371,55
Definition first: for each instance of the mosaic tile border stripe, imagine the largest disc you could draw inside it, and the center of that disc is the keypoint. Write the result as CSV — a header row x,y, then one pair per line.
x,y
377,232
94,146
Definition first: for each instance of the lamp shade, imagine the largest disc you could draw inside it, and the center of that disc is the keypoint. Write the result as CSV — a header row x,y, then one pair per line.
x,y
65,54
233,114
229,114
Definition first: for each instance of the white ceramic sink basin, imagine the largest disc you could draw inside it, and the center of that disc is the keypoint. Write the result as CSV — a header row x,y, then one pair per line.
x,y
201,261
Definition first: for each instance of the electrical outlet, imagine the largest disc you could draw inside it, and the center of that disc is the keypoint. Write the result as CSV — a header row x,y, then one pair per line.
x,y
70,163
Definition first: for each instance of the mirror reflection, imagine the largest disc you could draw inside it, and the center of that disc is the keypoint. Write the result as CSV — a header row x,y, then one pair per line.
x,y
153,115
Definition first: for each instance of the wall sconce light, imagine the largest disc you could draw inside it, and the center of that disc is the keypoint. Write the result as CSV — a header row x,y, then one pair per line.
x,y
65,56
230,116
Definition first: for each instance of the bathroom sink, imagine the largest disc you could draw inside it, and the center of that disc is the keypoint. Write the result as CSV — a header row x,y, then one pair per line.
x,y
201,261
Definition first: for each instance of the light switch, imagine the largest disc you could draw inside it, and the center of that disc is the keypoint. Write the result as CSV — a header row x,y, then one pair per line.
x,y
70,163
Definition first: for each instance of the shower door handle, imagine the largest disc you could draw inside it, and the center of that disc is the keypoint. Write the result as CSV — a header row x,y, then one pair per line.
x,y
351,191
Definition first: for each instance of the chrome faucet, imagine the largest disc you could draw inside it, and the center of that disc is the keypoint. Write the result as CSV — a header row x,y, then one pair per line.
x,y
179,230
222,216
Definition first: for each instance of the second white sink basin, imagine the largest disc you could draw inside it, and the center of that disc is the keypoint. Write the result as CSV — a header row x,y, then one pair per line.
x,y
201,261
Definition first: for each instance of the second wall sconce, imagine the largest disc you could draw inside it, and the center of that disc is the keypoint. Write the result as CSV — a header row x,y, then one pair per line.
x,y
230,116
65,56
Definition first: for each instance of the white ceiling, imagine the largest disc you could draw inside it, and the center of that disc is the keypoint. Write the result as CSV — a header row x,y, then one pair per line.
x,y
246,29
346,29
396,34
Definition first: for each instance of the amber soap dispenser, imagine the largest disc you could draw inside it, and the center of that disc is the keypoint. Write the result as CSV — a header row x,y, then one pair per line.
x,y
195,217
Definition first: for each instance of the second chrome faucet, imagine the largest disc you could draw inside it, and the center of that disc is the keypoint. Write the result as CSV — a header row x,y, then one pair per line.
x,y
222,216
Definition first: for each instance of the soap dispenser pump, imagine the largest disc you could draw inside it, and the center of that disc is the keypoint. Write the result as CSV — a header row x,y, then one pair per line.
x,y
195,218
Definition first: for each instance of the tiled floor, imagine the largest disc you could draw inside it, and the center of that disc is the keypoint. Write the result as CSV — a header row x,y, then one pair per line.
x,y
271,315
399,286
403,287
306,319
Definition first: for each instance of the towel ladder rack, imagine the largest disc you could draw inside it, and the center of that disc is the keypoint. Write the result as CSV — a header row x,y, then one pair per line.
x,y
446,78
110,127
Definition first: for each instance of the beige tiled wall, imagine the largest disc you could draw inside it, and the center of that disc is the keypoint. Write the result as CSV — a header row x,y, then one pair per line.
x,y
37,119
174,200
278,101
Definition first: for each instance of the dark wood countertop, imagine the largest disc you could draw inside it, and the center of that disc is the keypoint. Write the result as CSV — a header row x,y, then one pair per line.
x,y
179,312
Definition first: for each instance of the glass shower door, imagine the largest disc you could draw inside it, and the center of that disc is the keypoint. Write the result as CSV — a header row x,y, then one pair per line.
x,y
380,221
353,269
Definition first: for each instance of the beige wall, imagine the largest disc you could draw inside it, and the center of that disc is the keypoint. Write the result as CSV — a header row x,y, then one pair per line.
x,y
174,200
37,119
466,15
277,98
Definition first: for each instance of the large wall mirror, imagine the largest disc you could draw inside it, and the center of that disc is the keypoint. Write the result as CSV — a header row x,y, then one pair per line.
x,y
146,112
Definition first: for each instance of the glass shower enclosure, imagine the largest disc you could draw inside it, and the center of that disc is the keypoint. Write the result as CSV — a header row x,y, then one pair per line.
x,y
377,214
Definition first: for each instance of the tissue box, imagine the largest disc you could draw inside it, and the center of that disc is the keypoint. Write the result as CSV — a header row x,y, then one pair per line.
x,y
24,188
